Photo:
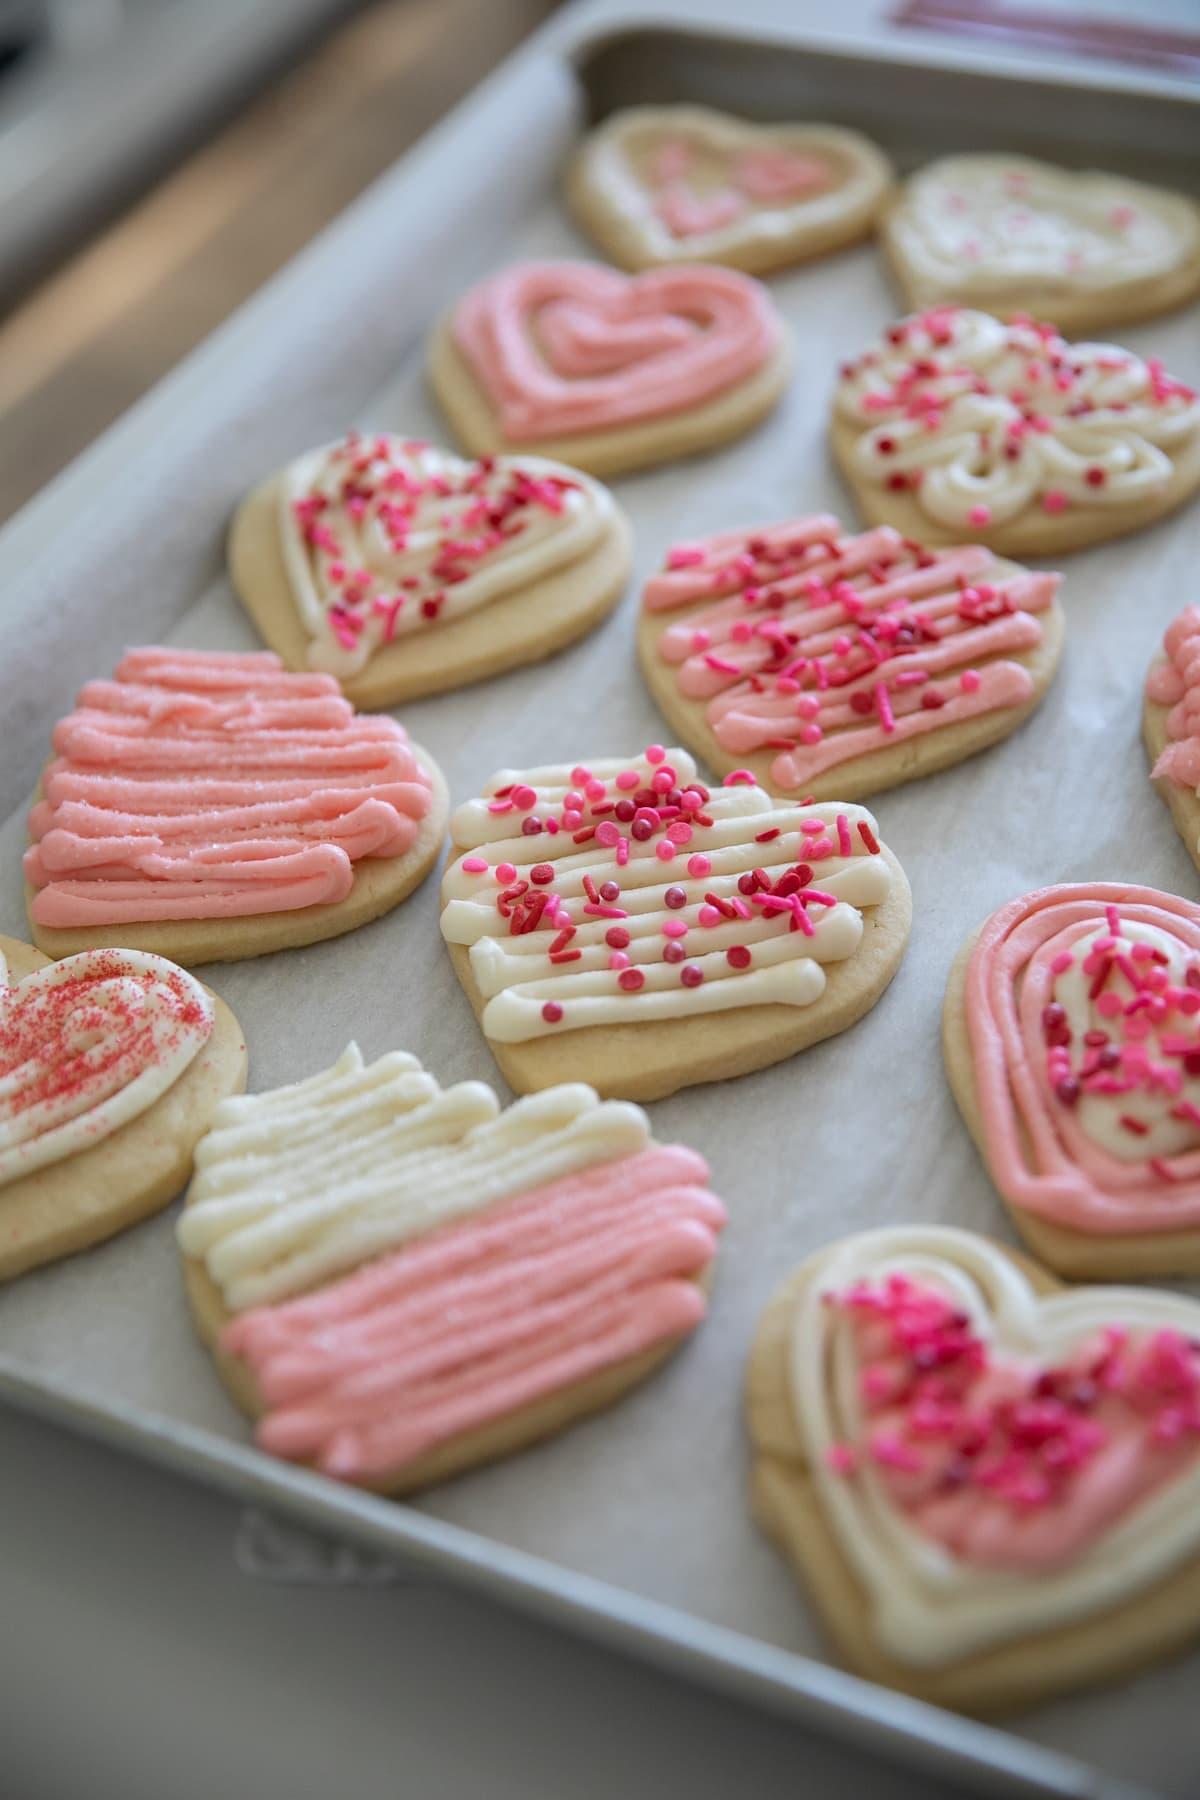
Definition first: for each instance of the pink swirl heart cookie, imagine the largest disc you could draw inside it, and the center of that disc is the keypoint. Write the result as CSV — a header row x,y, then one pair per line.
x,y
609,372
400,1281
953,425
1011,235
213,806
834,665
112,1065
403,570
1171,725
617,922
1072,1041
667,184
989,1485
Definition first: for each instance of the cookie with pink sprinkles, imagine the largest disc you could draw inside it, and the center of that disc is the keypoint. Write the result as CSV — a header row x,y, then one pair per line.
x,y
837,665
619,922
988,1484
1071,1032
955,424
1171,725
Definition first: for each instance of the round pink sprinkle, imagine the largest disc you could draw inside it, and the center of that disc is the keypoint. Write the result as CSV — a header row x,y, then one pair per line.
x,y
1109,1005
631,980
655,753
739,778
474,865
1063,961
691,975
811,734
523,797
580,776
675,897
970,681
664,850
808,706
673,952
691,801
572,801
680,832
980,515
552,1012
607,833
700,641
572,820
708,915
627,779
742,631
595,790
505,872
610,892
674,928
699,867
1054,500
618,960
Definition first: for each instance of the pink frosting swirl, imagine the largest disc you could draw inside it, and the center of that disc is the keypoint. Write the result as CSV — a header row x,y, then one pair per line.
x,y
200,785
1176,683
563,347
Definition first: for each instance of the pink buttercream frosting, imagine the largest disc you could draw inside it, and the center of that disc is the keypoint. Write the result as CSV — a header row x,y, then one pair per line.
x,y
1008,1462
1039,1081
563,347
1176,683
824,648
200,785
485,1317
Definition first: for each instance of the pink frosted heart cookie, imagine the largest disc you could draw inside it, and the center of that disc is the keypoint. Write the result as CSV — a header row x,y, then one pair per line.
x,y
1171,725
1072,1040
403,1280
834,665
620,923
403,570
988,1484
112,1065
608,372
213,806
955,425
668,184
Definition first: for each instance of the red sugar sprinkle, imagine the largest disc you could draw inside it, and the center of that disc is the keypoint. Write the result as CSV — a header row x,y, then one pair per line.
x,y
631,980
868,837
552,1012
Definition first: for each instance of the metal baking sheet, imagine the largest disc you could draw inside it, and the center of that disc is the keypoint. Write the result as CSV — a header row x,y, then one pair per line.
x,y
633,1527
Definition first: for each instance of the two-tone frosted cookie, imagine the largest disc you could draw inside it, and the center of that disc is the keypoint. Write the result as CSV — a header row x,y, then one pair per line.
x,y
988,1485
955,425
1011,235
1072,1040
608,372
618,922
209,806
1171,725
400,1281
835,665
112,1066
667,184
403,570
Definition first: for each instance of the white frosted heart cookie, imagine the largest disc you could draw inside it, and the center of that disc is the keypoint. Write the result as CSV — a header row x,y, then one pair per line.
x,y
988,1485
404,570
1010,235
1071,1031
210,806
112,1066
1171,725
953,424
399,1281
608,372
833,665
618,922
666,184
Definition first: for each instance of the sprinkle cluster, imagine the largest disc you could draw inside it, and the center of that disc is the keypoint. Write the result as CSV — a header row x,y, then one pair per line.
x,y
959,1418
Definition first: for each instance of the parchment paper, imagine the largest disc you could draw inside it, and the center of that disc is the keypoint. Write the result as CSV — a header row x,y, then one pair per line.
x,y
857,1132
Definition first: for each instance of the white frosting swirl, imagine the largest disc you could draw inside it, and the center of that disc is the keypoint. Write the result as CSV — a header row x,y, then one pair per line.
x,y
929,1608
981,421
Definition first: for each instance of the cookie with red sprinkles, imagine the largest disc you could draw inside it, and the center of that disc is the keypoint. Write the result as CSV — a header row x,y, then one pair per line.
x,y
838,665
404,570
620,923
1071,1031
987,1484
112,1066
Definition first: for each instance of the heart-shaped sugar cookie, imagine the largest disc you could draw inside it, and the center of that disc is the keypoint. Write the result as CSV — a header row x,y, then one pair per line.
x,y
403,570
834,665
1011,235
666,184
213,806
954,425
400,1281
608,372
1072,1040
112,1064
990,1485
618,923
